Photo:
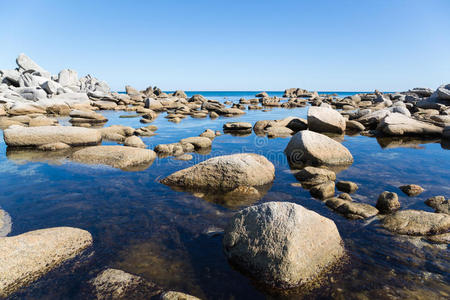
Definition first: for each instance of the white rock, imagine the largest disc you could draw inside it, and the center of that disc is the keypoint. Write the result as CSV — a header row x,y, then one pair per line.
x,y
68,78
322,119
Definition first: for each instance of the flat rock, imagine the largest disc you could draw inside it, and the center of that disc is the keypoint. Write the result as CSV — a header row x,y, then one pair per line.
x,y
417,222
225,173
310,148
310,176
122,157
282,244
237,126
323,119
26,257
399,124
18,136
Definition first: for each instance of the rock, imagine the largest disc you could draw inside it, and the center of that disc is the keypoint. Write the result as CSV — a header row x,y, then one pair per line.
x,y
417,222
282,244
113,284
81,116
213,115
18,136
443,92
310,148
134,141
183,157
27,64
225,173
241,126
345,196
116,133
179,94
26,257
122,157
411,189
262,95
446,133
439,203
18,109
273,132
372,119
398,124
352,210
209,134
171,295
387,202
346,186
174,149
322,119
58,109
323,191
197,141
354,126
51,87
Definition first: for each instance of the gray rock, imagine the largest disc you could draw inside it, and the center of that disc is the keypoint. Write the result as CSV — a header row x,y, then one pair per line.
x,y
26,257
18,136
27,64
443,92
51,87
113,284
282,244
446,133
122,157
225,173
321,119
311,148
417,222
68,78
387,202
398,124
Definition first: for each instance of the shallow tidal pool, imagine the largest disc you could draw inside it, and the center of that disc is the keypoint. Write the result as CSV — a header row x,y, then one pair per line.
x,y
174,238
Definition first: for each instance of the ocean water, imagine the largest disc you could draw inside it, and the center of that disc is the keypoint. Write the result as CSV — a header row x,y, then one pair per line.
x,y
146,228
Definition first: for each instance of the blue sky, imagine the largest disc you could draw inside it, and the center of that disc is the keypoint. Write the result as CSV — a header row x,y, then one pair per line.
x,y
236,45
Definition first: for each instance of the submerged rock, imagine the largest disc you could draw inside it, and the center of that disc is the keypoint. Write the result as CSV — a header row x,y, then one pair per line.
x,y
417,222
122,157
171,295
323,119
412,189
387,202
26,257
225,173
310,148
311,176
18,136
282,244
113,284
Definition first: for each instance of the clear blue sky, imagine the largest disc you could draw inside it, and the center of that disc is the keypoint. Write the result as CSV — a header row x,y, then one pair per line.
x,y
236,45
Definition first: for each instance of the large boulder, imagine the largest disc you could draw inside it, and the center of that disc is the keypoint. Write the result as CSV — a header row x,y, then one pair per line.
x,y
27,64
282,244
323,119
310,148
122,157
68,77
417,222
18,136
225,173
26,257
399,124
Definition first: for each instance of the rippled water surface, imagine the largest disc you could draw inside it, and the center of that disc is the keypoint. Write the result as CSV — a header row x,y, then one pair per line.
x,y
146,228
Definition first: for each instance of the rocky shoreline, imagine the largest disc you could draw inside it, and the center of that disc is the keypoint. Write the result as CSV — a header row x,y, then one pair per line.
x,y
280,251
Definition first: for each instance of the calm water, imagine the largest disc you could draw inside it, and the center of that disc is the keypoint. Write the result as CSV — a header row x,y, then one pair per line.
x,y
146,228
